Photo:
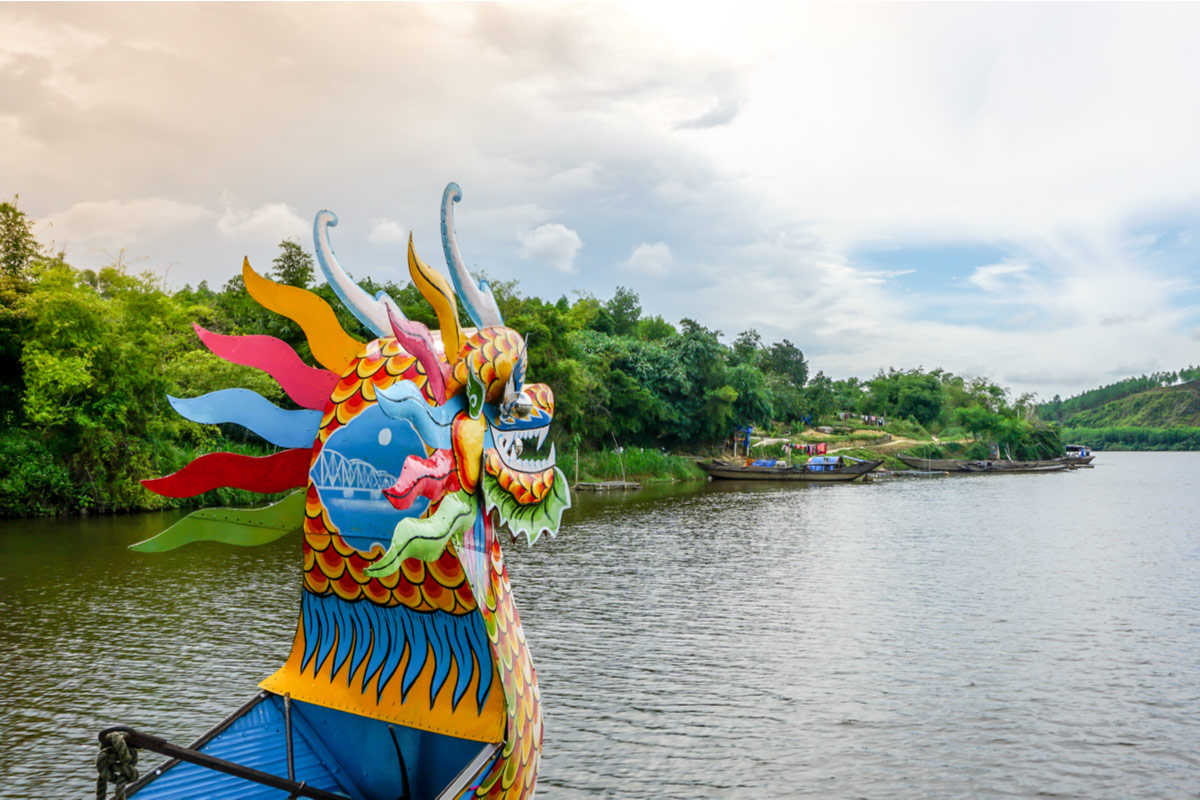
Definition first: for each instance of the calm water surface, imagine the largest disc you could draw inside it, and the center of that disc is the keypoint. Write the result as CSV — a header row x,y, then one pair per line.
x,y
982,636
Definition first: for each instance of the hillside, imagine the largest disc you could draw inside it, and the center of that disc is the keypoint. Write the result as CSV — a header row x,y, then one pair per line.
x,y
1163,407
1164,418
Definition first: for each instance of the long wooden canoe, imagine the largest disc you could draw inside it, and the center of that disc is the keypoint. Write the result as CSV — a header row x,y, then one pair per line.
x,y
853,470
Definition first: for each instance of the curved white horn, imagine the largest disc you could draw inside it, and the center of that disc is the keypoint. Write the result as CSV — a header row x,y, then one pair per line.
x,y
371,311
478,301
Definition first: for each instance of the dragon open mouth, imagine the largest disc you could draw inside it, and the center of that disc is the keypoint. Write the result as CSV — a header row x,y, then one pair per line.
x,y
511,444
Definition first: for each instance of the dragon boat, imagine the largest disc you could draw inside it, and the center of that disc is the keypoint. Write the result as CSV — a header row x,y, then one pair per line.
x,y
409,676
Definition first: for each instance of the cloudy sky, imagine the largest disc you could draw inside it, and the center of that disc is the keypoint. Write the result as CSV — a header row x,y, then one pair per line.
x,y
1000,190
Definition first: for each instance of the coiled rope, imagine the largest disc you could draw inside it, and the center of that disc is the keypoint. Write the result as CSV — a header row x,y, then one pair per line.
x,y
117,763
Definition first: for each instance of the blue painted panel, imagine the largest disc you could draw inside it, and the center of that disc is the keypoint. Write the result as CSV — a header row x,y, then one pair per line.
x,y
358,461
251,410
365,749
256,739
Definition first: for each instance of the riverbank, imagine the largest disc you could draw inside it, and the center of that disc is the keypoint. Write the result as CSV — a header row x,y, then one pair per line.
x,y
640,464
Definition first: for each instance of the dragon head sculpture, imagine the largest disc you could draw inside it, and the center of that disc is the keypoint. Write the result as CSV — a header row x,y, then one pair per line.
x,y
410,451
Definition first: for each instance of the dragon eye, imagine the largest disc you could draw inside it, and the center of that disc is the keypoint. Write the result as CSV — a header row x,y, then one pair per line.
x,y
520,406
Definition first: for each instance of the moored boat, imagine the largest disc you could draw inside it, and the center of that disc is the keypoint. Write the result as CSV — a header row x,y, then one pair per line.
x,y
1078,454
985,465
819,469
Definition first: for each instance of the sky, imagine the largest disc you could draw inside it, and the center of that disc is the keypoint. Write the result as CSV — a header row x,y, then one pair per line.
x,y
1009,191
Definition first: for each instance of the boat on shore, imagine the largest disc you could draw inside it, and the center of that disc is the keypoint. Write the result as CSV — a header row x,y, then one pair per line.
x,y
986,465
1078,454
819,469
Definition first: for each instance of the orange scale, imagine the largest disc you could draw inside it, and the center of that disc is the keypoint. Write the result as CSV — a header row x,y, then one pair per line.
x,y
446,570
368,366
433,590
407,594
448,602
356,566
317,541
344,389
310,559
368,391
333,565
315,582
400,364
413,569
351,408
346,588
465,597
390,581
344,547
377,593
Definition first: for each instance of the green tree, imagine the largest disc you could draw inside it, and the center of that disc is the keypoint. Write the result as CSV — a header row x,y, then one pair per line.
x,y
625,309
747,348
19,248
786,360
293,266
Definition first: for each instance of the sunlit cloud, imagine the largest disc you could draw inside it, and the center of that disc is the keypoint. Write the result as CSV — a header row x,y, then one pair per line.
x,y
117,223
387,231
552,244
650,258
267,224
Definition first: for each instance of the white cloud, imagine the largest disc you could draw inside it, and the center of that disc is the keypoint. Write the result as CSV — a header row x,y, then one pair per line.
x,y
650,259
994,277
770,153
116,223
552,244
387,231
270,223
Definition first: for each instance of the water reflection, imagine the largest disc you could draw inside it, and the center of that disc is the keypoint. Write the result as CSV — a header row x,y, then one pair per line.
x,y
981,636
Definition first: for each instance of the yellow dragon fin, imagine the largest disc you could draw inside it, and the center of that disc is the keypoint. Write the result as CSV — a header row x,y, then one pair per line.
x,y
331,346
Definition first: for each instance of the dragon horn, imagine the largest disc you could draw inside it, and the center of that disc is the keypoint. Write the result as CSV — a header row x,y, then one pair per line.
x,y
370,311
478,301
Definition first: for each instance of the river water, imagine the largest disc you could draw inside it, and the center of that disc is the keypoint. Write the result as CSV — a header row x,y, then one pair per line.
x,y
977,636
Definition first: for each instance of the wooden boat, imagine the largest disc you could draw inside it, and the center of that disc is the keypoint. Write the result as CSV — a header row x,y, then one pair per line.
x,y
409,676
1079,454
827,469
986,466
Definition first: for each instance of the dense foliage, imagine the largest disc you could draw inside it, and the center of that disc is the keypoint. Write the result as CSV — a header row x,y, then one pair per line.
x,y
1125,438
89,357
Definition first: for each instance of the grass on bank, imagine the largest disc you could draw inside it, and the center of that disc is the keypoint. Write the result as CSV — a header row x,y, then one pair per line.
x,y
644,465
